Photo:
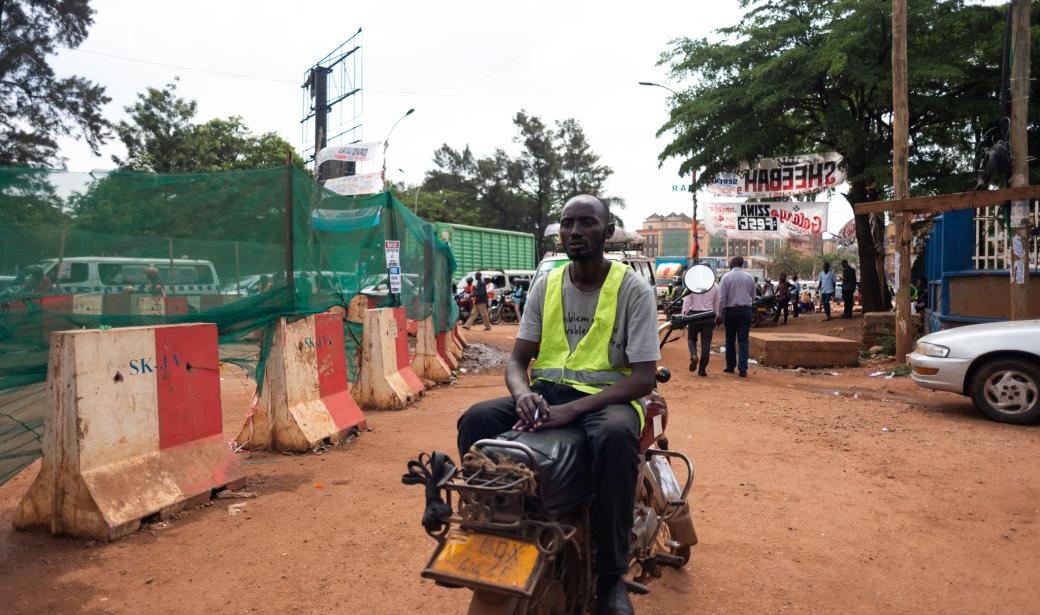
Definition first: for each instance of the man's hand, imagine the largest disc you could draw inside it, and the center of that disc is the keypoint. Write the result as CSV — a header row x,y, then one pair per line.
x,y
533,410
558,416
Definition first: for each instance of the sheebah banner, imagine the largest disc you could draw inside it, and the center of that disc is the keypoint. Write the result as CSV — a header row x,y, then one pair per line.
x,y
765,220
780,177
358,152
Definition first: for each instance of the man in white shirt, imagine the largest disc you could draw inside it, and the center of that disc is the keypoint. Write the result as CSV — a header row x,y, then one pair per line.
x,y
701,302
826,283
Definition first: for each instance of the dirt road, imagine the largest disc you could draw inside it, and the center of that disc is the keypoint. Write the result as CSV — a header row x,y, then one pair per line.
x,y
814,493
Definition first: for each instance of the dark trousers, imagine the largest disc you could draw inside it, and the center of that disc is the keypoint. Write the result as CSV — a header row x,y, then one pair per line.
x,y
613,434
847,300
797,301
781,306
704,330
738,326
827,303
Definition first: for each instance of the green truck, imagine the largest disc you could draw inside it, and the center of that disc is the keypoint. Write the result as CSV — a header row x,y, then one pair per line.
x,y
487,248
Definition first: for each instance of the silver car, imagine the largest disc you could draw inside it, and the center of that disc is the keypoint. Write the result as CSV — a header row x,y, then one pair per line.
x,y
996,364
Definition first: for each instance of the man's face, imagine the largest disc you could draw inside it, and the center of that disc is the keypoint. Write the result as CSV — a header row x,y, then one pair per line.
x,y
583,232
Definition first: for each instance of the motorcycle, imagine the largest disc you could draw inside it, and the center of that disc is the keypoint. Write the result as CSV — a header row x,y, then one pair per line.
x,y
763,311
465,305
495,308
514,525
504,311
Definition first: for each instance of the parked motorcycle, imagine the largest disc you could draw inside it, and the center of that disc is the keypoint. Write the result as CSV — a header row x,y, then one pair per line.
x,y
763,311
514,525
504,311
495,308
465,304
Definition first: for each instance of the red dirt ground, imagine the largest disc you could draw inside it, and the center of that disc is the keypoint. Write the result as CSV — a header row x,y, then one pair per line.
x,y
802,502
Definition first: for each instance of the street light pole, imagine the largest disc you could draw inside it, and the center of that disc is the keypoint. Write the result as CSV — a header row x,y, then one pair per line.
x,y
386,141
695,252
415,209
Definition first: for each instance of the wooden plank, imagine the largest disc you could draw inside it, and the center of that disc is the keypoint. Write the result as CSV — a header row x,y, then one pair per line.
x,y
949,202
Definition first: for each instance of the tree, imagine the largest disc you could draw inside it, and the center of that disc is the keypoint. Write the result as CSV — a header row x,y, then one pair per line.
x,y
160,136
36,108
815,75
523,192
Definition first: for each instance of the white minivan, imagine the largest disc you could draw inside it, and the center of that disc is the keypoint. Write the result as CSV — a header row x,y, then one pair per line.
x,y
112,274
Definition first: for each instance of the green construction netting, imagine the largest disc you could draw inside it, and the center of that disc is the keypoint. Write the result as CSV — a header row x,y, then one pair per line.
x,y
119,249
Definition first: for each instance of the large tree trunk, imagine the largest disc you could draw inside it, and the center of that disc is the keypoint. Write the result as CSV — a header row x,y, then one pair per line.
x,y
872,283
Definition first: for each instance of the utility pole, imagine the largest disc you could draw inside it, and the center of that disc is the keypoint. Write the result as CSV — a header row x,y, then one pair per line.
x,y
1019,231
696,241
900,179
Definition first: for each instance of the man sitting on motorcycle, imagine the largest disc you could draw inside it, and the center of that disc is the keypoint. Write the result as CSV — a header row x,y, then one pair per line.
x,y
591,329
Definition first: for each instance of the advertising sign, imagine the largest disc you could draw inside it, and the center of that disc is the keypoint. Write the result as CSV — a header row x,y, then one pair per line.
x,y
393,264
765,220
781,177
358,152
351,185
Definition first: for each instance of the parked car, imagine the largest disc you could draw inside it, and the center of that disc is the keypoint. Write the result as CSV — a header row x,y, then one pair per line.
x,y
996,364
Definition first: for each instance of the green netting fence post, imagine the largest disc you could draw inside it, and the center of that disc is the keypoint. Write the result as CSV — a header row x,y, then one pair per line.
x,y
290,268
392,231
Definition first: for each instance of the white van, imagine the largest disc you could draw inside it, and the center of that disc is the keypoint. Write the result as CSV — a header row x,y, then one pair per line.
x,y
111,274
642,265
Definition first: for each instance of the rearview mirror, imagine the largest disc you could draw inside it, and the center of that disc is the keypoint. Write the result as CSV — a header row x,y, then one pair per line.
x,y
699,279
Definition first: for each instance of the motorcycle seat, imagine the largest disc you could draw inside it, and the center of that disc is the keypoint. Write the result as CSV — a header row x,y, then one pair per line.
x,y
562,461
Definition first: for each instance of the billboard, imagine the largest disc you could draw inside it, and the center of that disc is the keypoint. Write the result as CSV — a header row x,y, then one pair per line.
x,y
765,220
781,177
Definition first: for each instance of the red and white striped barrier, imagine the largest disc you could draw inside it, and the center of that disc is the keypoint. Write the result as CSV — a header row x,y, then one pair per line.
x,y
382,384
134,429
404,359
430,362
305,397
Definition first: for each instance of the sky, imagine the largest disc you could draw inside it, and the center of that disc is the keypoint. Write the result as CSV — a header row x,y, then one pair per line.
x,y
466,68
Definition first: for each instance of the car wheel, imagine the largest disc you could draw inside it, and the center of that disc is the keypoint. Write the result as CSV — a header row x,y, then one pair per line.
x,y
1007,390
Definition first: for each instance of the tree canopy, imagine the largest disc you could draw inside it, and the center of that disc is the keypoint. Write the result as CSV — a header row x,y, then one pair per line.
x,y
522,192
800,76
160,136
36,107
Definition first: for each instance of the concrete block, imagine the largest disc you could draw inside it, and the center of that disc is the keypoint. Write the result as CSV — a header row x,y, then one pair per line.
x,y
803,350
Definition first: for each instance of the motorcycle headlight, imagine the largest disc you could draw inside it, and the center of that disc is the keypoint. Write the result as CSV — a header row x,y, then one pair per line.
x,y
932,350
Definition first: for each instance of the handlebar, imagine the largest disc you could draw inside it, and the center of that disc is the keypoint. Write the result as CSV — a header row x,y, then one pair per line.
x,y
678,322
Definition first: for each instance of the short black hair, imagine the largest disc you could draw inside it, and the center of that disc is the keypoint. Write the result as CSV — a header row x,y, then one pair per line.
x,y
736,261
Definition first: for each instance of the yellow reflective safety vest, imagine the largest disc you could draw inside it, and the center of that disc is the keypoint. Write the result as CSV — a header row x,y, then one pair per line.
x,y
588,368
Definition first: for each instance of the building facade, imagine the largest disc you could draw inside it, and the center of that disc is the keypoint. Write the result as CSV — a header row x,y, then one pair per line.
x,y
670,235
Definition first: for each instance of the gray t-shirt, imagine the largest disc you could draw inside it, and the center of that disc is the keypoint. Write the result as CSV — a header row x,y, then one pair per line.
x,y
634,339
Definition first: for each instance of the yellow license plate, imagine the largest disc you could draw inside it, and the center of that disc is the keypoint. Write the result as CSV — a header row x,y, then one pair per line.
x,y
486,558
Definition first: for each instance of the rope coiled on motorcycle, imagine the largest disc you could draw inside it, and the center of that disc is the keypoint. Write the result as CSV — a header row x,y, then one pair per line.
x,y
477,460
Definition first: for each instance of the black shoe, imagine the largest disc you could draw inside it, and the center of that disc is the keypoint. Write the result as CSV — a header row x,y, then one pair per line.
x,y
702,373
614,600
743,374
729,370
693,364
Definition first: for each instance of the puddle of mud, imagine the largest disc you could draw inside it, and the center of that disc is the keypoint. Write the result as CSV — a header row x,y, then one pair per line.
x,y
479,357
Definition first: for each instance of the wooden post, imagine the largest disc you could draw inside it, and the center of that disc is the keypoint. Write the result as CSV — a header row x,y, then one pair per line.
x,y
696,241
290,267
1018,246
900,179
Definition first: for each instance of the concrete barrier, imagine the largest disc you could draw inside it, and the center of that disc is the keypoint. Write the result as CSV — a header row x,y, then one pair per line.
x,y
133,430
454,347
382,385
147,305
305,397
429,362
803,350
404,358
445,344
459,336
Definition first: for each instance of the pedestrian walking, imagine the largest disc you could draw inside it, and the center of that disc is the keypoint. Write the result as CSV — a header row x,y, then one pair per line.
x,y
701,302
783,297
796,294
480,304
736,296
848,288
826,284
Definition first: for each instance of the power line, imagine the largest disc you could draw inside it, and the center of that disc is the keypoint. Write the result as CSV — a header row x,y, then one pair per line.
x,y
180,66
457,93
